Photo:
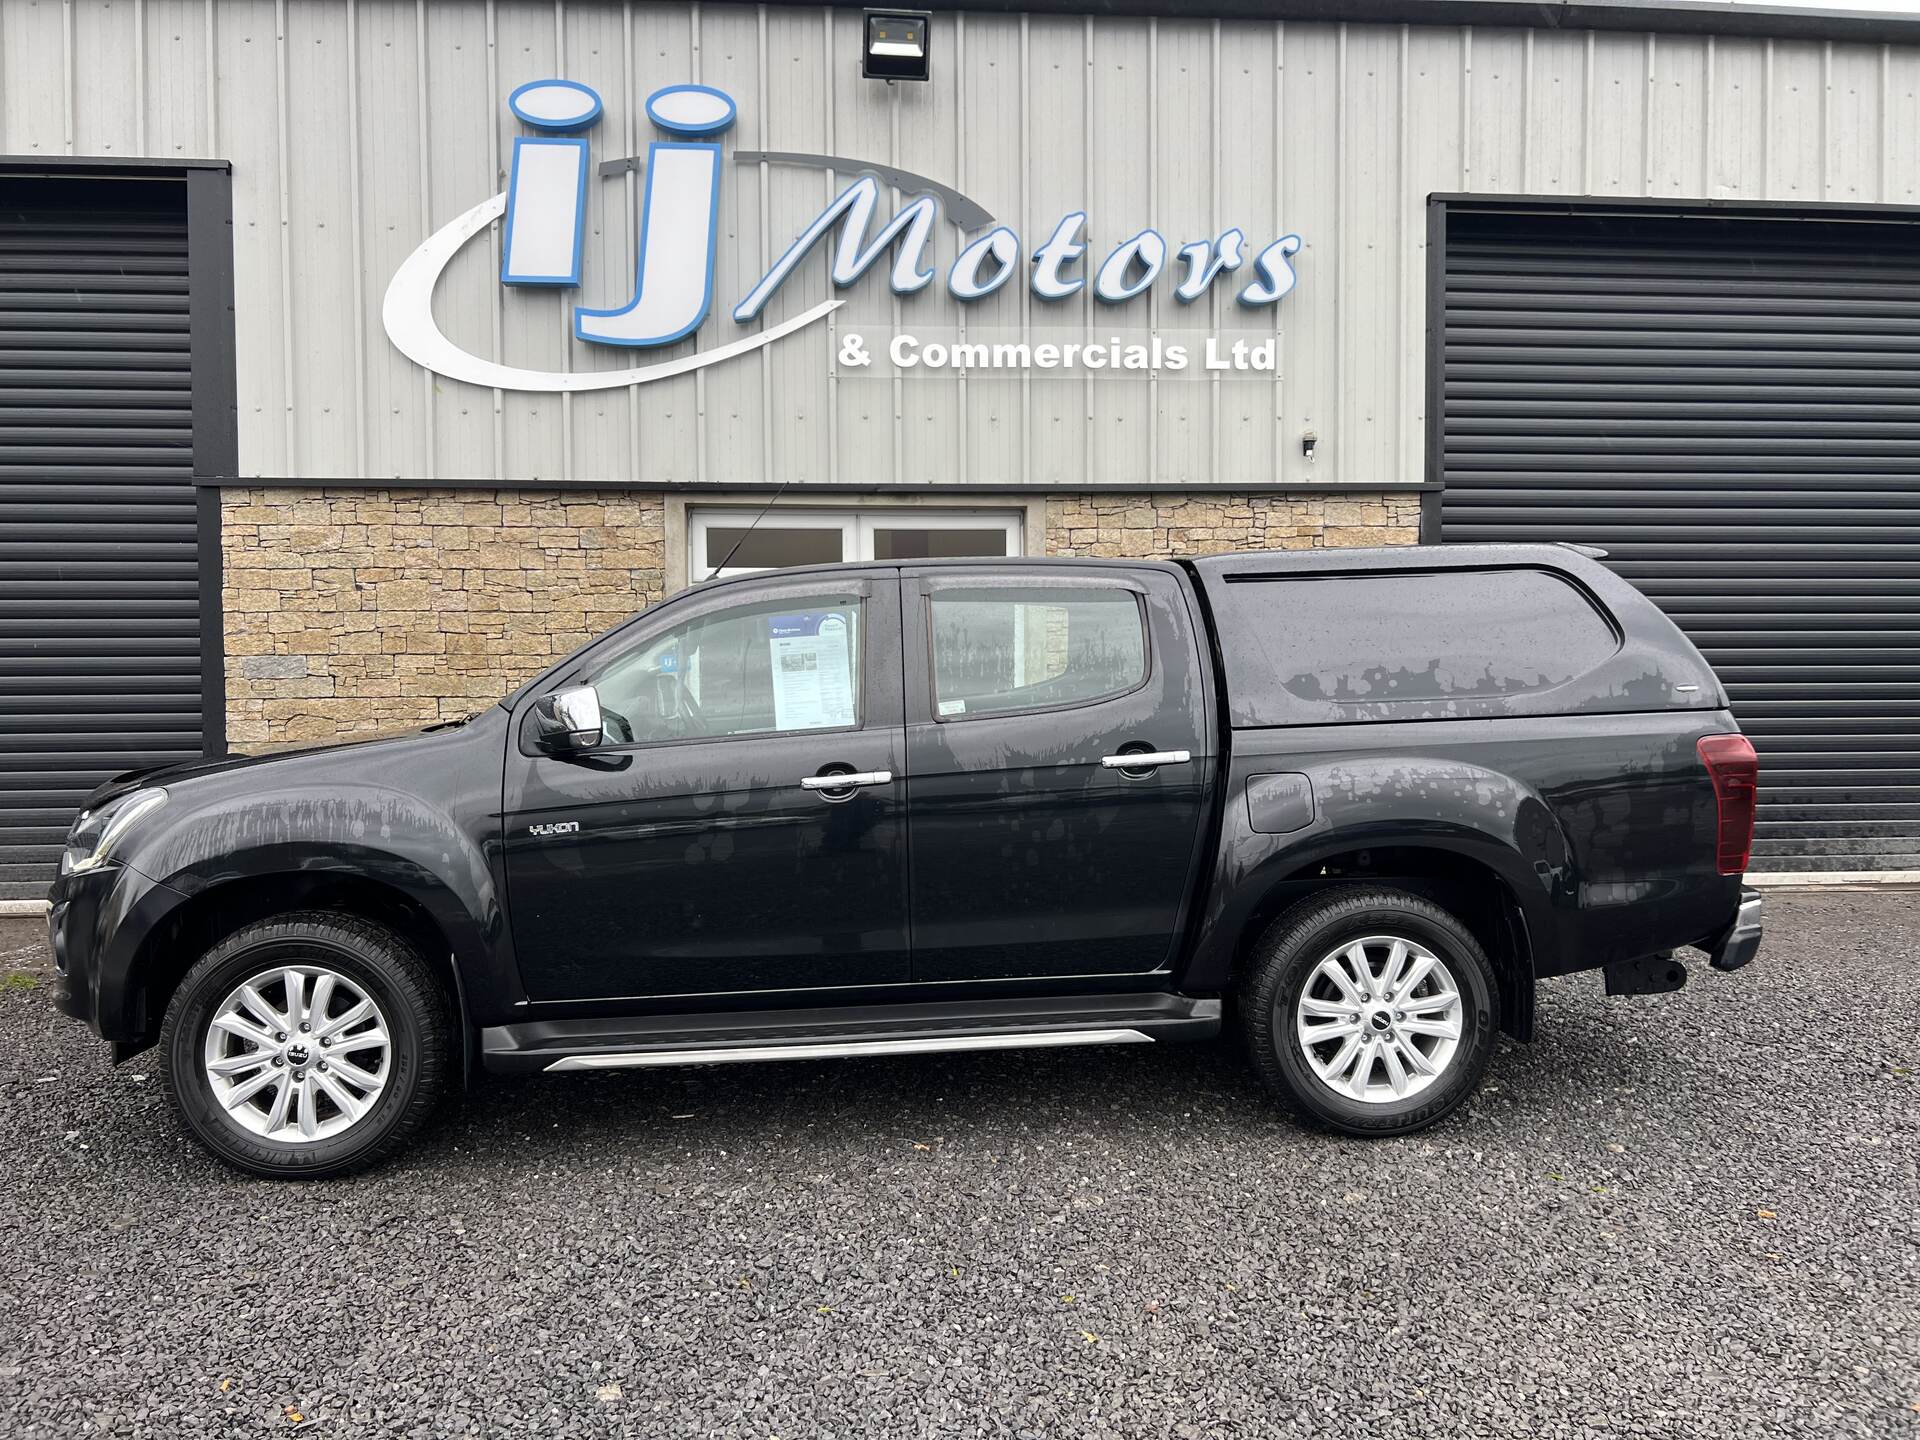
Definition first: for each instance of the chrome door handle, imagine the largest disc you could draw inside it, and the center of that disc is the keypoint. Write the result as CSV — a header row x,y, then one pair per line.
x,y
847,782
1145,760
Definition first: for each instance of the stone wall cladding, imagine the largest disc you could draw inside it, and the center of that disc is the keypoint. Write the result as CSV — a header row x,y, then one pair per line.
x,y
1169,524
351,611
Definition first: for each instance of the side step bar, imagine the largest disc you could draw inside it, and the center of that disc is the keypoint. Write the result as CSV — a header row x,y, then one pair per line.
x,y
848,1049
745,1037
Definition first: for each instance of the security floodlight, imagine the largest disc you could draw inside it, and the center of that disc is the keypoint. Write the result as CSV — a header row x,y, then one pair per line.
x,y
895,45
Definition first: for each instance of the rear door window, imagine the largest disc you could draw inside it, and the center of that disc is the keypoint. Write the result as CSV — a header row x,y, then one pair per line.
x,y
1001,651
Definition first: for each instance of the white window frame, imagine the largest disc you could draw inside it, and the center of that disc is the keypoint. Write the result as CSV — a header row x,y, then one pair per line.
x,y
856,524
700,521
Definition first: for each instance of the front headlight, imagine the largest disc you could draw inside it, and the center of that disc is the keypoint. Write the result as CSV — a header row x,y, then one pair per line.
x,y
96,832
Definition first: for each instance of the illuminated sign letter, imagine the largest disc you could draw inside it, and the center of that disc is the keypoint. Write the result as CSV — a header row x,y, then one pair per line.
x,y
1275,271
673,277
547,190
853,212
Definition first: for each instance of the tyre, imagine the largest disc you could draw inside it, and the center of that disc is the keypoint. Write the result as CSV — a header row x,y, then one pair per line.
x,y
306,1046
1370,1010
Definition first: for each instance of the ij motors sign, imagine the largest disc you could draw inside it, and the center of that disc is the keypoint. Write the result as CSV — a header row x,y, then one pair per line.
x,y
544,231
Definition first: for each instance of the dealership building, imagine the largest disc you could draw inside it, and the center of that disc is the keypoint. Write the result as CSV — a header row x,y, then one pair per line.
x,y
357,357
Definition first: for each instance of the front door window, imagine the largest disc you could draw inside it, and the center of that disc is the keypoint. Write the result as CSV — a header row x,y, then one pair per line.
x,y
764,668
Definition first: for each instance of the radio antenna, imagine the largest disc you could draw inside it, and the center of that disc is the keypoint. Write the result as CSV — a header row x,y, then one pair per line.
x,y
749,530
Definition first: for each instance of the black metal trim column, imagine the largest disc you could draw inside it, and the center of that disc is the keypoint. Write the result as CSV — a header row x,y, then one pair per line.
x,y
1435,474
216,432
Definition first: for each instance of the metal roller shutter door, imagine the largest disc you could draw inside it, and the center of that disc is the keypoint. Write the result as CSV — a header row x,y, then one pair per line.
x,y
99,609
1730,406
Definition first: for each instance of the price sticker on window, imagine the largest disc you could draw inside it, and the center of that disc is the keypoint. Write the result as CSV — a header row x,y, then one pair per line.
x,y
811,655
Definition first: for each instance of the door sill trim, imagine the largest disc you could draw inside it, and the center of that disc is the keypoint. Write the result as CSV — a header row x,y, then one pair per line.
x,y
846,1049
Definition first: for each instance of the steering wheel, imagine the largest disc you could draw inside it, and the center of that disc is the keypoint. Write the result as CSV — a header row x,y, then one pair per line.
x,y
675,713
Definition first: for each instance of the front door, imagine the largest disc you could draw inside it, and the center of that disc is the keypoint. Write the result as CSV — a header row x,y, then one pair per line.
x,y
1033,856
705,848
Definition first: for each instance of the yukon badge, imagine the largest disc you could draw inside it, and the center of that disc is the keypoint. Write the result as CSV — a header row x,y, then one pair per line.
x,y
555,827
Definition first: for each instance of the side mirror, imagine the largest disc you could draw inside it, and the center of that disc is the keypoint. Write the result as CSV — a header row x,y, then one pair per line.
x,y
568,721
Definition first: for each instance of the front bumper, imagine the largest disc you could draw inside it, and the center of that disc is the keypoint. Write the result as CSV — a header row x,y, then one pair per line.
x,y
1736,945
96,922
78,913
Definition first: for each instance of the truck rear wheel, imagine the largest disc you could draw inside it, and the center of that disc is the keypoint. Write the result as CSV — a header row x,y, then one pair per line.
x,y
306,1046
1370,1010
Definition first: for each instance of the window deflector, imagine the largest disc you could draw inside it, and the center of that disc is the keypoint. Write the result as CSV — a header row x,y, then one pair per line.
x,y
1022,578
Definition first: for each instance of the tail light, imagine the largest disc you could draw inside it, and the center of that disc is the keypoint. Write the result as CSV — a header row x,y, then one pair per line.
x,y
1735,771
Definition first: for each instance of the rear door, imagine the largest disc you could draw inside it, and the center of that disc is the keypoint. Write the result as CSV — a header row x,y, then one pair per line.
x,y
1037,852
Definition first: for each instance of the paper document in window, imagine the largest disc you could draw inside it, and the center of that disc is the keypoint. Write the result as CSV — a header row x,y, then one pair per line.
x,y
812,658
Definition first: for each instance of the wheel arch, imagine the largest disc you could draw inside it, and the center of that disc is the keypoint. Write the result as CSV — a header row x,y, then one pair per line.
x,y
167,950
1452,872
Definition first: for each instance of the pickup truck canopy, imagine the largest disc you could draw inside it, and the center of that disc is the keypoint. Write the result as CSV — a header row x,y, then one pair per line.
x,y
1441,633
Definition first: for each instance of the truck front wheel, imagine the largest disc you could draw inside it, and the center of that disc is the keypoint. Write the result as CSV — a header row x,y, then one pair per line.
x,y
308,1045
1370,1010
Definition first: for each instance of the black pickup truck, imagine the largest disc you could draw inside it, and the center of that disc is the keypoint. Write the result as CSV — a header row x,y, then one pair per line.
x,y
1351,802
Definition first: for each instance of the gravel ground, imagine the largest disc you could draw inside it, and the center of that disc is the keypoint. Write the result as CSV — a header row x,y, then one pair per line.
x,y
1685,1215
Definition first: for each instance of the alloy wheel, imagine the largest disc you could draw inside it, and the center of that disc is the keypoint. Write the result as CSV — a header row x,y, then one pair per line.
x,y
1379,1019
297,1054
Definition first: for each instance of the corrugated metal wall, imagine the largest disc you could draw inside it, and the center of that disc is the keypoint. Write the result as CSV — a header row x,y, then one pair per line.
x,y
356,127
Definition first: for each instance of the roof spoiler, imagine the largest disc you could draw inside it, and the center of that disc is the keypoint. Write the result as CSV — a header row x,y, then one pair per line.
x,y
1592,552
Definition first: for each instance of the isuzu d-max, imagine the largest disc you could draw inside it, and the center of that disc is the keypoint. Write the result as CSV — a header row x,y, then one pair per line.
x,y
1350,803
